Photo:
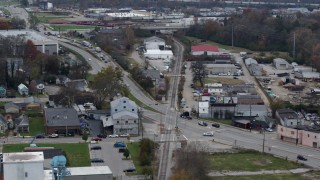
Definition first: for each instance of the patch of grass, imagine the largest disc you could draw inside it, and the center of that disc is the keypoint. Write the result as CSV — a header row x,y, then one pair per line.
x,y
90,77
134,150
77,153
46,19
249,161
36,126
262,177
223,80
70,27
141,104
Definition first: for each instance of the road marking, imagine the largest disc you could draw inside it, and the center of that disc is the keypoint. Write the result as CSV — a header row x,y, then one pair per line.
x,y
185,137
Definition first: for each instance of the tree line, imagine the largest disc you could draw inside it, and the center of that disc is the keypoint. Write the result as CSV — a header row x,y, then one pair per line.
x,y
259,30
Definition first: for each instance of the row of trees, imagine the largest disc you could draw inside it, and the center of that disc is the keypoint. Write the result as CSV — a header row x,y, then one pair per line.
x,y
258,30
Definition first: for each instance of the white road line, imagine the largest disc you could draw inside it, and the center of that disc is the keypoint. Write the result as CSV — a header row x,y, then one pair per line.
x,y
185,137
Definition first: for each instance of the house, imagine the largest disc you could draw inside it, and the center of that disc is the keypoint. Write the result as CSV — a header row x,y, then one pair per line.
x,y
37,86
22,124
79,84
3,91
62,79
154,42
23,90
11,108
124,114
204,50
61,121
289,118
281,64
3,124
32,103
154,74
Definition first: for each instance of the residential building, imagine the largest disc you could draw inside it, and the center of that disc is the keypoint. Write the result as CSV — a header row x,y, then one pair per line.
x,y
154,42
61,121
204,50
42,43
62,79
3,124
154,74
23,165
22,124
3,91
11,108
23,90
281,64
124,114
289,118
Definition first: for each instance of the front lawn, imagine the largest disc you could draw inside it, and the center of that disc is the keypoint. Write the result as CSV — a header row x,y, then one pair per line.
x,y
134,150
248,161
77,153
36,126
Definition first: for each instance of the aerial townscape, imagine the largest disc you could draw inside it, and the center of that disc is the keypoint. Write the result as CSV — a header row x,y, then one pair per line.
x,y
159,89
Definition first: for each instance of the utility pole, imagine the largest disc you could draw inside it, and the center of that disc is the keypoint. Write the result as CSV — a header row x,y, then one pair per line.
x,y
232,36
264,139
294,47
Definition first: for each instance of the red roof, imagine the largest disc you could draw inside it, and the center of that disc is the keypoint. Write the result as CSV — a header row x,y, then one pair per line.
x,y
205,48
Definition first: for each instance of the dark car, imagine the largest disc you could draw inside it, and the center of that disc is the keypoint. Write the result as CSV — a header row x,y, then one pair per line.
x,y
102,136
96,139
119,145
97,160
40,136
95,148
302,158
216,125
121,150
129,170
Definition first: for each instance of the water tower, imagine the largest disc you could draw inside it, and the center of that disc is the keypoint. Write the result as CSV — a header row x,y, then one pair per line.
x,y
59,170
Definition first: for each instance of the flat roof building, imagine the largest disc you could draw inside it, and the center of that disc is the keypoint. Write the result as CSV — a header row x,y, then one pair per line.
x,y
42,43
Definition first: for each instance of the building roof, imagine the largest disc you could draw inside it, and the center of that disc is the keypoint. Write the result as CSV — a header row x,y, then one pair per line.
x,y
22,120
205,48
158,51
93,170
280,60
253,107
34,36
287,113
249,61
23,157
116,102
21,86
152,73
61,117
153,39
125,115
10,105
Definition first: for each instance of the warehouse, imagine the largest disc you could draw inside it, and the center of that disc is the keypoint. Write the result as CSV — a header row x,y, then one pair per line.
x,y
204,50
221,69
158,54
42,43
281,64
154,42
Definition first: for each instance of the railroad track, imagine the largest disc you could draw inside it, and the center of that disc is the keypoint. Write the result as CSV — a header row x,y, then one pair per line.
x,y
164,160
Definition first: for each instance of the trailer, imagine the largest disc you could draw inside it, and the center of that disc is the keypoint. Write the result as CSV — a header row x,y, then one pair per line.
x,y
315,91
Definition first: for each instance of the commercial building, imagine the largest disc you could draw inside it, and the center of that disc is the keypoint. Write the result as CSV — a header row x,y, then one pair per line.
x,y
154,42
223,69
204,50
94,172
24,165
42,43
158,54
289,117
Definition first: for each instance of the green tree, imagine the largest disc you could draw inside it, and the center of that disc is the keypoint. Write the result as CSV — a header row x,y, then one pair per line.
x,y
126,153
85,137
275,105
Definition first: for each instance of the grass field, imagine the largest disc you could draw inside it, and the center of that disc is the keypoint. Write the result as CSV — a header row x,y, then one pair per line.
x,y
223,80
249,161
263,177
77,153
134,150
70,27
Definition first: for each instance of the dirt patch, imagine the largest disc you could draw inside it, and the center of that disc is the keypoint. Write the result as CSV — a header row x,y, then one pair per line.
x,y
262,162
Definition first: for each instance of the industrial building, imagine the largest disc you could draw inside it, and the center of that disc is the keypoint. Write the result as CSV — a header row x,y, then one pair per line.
x,y
42,43
204,50
158,54
281,64
222,69
154,42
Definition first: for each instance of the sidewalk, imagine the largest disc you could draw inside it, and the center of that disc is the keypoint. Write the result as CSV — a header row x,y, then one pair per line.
x,y
246,173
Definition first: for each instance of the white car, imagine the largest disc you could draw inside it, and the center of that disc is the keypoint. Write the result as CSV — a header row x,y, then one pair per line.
x,y
124,135
89,59
208,134
269,129
113,136
53,136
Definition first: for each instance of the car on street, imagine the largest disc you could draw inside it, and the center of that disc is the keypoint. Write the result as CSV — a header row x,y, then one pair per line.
x,y
96,139
95,148
208,134
102,136
89,59
302,158
119,145
216,125
129,170
113,136
40,136
53,136
97,160
201,123
124,135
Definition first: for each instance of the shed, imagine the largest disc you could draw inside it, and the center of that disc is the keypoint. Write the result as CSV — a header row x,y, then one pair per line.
x,y
23,90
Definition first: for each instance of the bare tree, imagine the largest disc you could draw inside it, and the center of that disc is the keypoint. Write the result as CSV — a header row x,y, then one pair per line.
x,y
199,72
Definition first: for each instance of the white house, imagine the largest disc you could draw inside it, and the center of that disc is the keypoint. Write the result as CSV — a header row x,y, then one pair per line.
x,y
154,43
23,90
158,54
204,109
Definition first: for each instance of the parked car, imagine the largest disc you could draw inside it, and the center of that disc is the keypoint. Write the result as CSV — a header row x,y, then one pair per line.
x,y
208,134
119,145
121,150
40,136
124,135
268,129
129,170
53,136
216,125
201,123
96,139
113,136
302,158
97,160
102,136
95,148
